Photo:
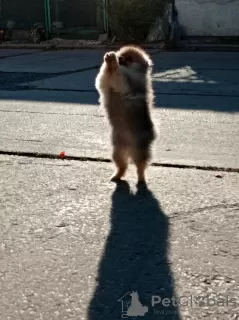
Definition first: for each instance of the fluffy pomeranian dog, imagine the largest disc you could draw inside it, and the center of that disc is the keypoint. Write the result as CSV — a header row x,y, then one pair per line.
x,y
125,87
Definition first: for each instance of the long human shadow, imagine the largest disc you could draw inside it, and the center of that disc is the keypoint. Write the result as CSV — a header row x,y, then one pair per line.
x,y
135,259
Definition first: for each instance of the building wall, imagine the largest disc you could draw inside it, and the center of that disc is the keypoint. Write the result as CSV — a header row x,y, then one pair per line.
x,y
209,17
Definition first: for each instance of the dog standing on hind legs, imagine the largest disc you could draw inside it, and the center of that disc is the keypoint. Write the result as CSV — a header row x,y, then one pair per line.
x,y
125,88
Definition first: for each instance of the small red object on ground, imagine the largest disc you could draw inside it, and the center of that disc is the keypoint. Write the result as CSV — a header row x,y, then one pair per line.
x,y
62,154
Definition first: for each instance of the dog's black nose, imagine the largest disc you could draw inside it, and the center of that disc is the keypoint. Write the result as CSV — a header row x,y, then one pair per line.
x,y
121,60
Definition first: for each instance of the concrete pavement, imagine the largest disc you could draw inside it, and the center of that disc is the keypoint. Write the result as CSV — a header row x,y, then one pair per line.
x,y
185,136
72,243
196,114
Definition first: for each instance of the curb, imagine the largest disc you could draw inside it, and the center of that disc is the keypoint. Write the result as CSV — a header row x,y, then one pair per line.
x,y
72,47
156,46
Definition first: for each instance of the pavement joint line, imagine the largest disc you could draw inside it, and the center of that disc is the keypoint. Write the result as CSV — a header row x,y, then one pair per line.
x,y
51,113
105,160
198,68
63,73
202,94
55,74
208,94
20,54
20,88
202,209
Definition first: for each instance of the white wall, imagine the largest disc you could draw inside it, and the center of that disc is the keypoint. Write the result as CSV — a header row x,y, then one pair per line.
x,y
209,17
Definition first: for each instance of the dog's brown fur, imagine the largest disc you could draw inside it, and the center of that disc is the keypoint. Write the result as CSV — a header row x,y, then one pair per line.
x,y
125,87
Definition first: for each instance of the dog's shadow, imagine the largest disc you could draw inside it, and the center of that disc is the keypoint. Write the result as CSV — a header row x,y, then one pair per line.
x,y
135,259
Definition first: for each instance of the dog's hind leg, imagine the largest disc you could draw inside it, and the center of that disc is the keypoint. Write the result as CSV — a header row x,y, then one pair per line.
x,y
120,158
140,157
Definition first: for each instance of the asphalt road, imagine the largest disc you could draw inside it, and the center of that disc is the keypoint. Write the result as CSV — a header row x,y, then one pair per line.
x,y
71,242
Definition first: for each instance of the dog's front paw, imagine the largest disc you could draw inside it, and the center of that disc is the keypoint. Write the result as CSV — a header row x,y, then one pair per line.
x,y
111,59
